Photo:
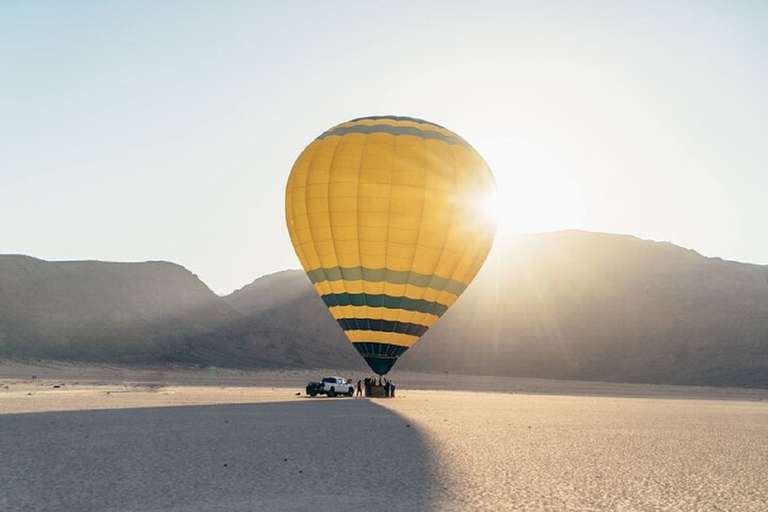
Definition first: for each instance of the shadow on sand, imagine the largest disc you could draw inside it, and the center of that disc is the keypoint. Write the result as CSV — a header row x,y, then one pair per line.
x,y
300,455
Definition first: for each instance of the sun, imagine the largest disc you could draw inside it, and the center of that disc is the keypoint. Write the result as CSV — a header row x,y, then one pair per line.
x,y
534,192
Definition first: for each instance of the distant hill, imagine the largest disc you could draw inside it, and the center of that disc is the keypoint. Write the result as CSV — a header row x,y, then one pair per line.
x,y
590,306
567,305
287,302
152,313
575,305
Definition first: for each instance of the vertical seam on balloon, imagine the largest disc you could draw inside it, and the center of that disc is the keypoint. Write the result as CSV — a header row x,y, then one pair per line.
x,y
453,219
466,245
389,222
312,231
309,161
480,255
328,202
478,220
301,248
394,163
289,218
418,241
288,194
357,210
446,234
471,226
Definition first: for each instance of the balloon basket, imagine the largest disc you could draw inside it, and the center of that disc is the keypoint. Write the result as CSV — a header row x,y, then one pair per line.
x,y
378,392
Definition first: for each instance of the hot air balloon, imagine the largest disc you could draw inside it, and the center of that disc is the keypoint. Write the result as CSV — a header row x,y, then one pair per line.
x,y
387,216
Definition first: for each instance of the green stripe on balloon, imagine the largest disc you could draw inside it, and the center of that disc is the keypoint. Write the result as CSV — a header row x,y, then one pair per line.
x,y
384,301
377,275
395,130
379,325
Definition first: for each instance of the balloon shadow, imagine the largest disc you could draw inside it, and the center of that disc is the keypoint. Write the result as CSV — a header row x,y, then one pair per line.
x,y
299,455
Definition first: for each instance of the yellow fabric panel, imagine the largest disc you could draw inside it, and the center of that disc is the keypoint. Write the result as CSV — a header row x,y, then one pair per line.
x,y
373,288
327,287
424,319
292,229
346,156
296,212
346,311
450,257
348,253
474,259
400,315
440,192
393,290
460,239
317,203
373,210
413,292
395,315
342,190
310,253
426,258
326,251
447,297
392,338
410,162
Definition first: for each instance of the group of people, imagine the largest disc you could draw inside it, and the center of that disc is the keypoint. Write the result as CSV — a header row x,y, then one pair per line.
x,y
369,383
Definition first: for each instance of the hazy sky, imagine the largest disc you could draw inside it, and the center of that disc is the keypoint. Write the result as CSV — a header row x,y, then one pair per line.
x,y
133,131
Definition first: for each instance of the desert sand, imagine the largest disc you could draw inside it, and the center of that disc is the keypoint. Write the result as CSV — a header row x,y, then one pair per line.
x,y
101,438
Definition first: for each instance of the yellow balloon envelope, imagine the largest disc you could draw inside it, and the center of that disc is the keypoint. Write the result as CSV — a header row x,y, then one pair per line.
x,y
387,216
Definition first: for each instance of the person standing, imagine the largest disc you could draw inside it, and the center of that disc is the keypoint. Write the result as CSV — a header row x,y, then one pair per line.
x,y
359,388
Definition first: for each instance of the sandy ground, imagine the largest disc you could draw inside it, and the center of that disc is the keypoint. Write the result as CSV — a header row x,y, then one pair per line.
x,y
135,440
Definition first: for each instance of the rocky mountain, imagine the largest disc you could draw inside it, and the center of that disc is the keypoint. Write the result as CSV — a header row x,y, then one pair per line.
x,y
138,313
286,301
570,305
591,306
575,305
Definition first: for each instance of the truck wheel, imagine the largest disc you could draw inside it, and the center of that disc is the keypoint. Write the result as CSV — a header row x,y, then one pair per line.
x,y
332,392
351,392
313,393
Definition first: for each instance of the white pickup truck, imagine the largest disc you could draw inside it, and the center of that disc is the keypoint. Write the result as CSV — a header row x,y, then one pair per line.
x,y
331,386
